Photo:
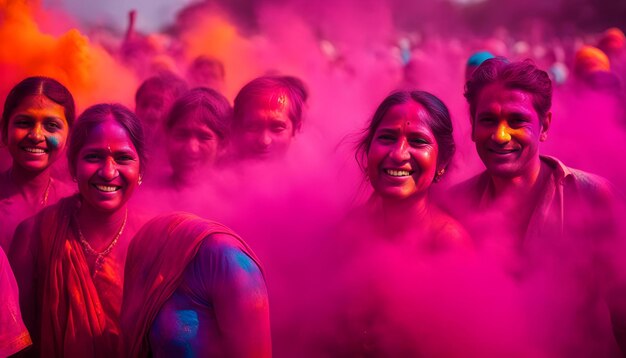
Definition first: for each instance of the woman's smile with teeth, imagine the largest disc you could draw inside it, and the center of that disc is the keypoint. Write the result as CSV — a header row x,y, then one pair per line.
x,y
34,150
397,172
107,188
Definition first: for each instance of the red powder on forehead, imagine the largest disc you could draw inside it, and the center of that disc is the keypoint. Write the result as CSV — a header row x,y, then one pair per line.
x,y
276,101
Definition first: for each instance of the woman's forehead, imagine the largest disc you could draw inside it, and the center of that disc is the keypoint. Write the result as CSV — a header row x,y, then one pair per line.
x,y
411,114
109,129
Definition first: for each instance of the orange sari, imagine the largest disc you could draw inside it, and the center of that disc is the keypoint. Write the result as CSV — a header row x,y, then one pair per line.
x,y
157,258
79,312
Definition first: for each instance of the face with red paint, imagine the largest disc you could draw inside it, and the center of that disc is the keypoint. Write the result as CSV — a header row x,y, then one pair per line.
x,y
507,130
107,167
402,157
37,132
266,129
192,145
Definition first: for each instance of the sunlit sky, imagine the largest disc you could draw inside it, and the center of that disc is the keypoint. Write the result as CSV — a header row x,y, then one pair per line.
x,y
152,14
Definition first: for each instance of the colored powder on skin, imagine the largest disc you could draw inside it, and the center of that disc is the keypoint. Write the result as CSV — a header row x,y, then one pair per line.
x,y
52,142
287,211
244,262
187,322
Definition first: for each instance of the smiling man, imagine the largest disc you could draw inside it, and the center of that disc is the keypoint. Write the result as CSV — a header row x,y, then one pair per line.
x,y
536,216
531,194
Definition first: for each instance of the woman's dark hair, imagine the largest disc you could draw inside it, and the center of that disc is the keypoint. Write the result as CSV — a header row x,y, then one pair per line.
x,y
38,85
100,113
438,121
270,89
209,106
520,75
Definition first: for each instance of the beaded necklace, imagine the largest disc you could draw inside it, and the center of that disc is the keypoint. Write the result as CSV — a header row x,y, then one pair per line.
x,y
102,254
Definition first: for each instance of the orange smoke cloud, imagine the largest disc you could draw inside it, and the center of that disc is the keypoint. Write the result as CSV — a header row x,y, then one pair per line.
x,y
86,69
216,37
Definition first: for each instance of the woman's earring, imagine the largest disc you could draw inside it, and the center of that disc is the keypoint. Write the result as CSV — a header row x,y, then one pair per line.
x,y
439,174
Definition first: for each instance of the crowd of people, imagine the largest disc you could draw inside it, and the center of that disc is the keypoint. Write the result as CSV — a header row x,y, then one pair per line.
x,y
113,237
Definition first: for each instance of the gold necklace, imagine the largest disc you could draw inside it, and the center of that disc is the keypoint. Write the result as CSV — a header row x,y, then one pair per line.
x,y
44,200
100,255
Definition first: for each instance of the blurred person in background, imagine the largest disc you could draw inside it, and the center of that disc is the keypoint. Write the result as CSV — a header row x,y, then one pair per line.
x,y
267,114
198,134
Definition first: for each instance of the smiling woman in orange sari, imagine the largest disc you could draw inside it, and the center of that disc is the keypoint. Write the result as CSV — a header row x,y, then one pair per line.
x,y
69,258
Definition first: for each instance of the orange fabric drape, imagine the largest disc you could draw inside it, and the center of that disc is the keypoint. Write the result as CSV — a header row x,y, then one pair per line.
x,y
79,313
157,258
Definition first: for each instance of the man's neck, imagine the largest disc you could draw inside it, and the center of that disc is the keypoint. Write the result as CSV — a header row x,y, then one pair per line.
x,y
517,186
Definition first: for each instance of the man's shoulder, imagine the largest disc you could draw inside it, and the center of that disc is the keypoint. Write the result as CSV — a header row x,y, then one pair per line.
x,y
593,187
589,185
589,181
